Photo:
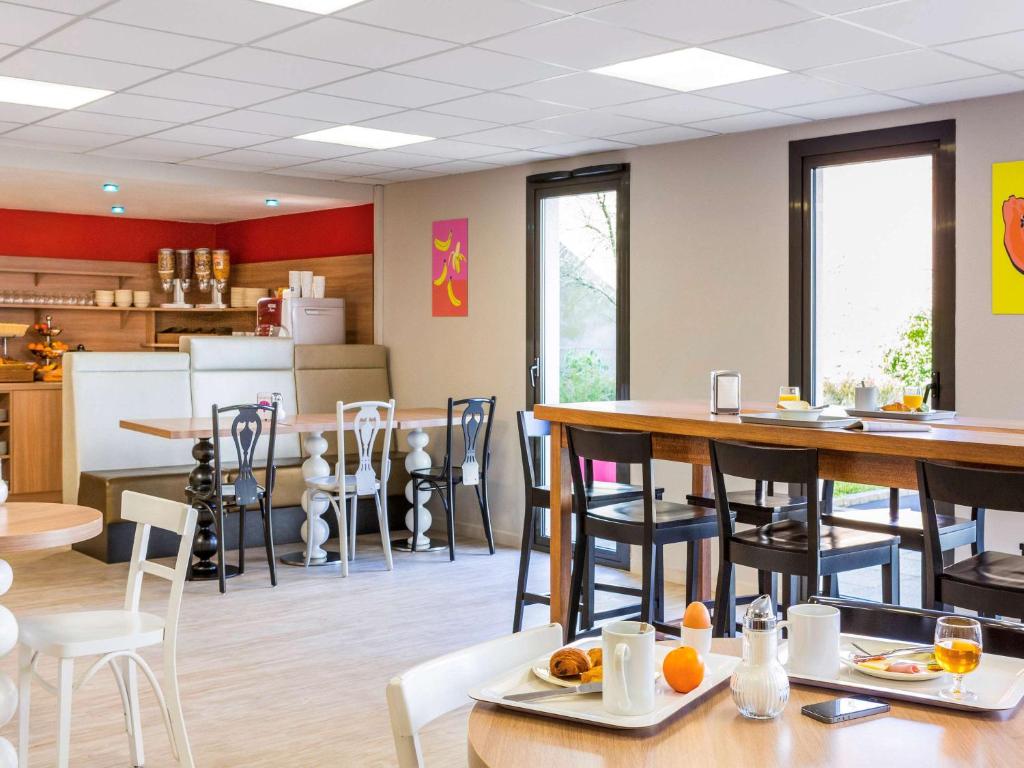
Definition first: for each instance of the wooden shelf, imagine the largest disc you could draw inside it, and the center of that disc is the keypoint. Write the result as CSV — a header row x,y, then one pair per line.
x,y
154,310
158,345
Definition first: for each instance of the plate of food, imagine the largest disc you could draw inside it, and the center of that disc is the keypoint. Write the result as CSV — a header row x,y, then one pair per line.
x,y
580,664
909,667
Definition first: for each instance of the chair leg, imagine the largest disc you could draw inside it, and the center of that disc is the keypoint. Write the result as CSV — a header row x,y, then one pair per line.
x,y
241,539
692,570
65,683
485,513
175,713
891,577
579,565
381,500
659,584
587,606
647,584
725,602
831,587
353,522
525,550
131,677
450,509
268,539
415,513
24,702
339,513
221,575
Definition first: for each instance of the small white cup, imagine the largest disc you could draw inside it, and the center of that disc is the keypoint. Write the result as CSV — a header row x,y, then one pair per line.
x,y
865,398
813,639
306,283
628,652
697,638
294,282
319,286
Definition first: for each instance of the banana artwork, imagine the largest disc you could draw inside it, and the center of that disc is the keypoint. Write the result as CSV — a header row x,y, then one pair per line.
x,y
455,259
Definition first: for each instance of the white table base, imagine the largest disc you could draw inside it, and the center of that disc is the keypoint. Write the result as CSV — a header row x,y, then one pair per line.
x,y
8,690
418,458
314,466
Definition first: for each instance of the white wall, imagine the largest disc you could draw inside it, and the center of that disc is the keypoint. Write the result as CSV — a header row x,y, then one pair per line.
x,y
709,260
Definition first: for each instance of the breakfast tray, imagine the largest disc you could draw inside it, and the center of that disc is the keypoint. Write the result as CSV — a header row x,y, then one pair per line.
x,y
998,681
588,708
903,415
775,420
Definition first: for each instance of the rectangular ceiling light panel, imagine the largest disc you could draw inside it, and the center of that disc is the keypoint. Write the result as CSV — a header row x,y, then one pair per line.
x,y
691,69
369,138
39,93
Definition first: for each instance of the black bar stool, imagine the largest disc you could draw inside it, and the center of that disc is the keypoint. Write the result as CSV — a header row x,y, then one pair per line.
x,y
647,523
794,548
538,497
991,583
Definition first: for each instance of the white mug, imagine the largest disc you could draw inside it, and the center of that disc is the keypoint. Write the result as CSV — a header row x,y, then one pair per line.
x,y
865,398
813,639
306,281
628,652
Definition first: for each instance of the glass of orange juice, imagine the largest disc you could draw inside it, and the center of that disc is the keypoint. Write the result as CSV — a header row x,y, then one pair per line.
x,y
958,651
789,394
913,397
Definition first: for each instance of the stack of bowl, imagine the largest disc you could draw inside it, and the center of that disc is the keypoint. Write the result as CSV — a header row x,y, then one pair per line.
x,y
252,295
140,298
123,297
104,298
237,296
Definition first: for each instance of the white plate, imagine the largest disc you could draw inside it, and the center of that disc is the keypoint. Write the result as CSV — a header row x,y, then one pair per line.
x,y
773,418
885,675
542,668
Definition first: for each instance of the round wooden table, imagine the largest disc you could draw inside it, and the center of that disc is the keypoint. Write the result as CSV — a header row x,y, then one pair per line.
x,y
24,527
715,734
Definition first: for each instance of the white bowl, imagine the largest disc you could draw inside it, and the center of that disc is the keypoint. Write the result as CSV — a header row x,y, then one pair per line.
x,y
809,414
104,303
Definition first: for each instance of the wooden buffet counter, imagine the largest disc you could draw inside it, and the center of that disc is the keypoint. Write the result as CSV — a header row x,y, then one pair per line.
x,y
32,432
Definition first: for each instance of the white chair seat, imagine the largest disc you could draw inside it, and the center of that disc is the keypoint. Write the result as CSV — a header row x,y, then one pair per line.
x,y
86,633
330,483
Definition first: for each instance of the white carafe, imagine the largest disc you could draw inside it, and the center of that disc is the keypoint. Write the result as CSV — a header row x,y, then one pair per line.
x,y
760,685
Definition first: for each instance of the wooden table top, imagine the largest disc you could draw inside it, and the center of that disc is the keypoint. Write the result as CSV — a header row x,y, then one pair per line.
x,y
27,526
715,734
195,428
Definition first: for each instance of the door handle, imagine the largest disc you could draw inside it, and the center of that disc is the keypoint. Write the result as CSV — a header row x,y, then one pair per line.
x,y
934,390
534,372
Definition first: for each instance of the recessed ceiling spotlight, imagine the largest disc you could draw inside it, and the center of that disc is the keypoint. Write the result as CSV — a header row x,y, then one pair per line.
x,y
690,69
39,93
117,209
272,202
314,6
111,187
368,138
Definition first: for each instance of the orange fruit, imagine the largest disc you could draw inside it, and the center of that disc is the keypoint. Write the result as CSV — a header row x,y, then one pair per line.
x,y
683,669
696,616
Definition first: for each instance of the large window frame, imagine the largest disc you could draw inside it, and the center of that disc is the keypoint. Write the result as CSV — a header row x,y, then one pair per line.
x,y
937,139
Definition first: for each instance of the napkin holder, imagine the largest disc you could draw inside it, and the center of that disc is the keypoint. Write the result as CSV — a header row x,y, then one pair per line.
x,y
725,392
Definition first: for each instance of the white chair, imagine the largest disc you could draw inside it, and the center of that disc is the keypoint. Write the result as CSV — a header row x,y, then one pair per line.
x,y
341,489
116,636
433,688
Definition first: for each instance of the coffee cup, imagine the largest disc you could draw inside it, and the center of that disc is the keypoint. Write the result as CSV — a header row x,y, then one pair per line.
x,y
306,283
628,683
865,398
813,640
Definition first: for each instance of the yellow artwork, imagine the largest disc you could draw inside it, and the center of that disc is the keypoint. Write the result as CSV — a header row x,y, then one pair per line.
x,y
1008,238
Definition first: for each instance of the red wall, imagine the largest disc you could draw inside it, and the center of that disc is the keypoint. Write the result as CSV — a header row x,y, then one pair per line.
x,y
336,232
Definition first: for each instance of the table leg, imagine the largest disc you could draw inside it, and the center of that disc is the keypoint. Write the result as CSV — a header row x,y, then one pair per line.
x,y
315,530
200,492
561,526
702,485
418,458
8,690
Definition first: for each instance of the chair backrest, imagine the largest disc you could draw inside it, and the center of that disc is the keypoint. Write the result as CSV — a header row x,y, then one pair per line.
x,y
245,432
589,445
148,512
530,427
433,688
366,428
477,415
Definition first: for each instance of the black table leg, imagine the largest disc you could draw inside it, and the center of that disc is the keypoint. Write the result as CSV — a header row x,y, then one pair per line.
x,y
200,495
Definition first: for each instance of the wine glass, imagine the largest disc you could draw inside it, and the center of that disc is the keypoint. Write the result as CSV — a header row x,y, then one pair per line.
x,y
958,651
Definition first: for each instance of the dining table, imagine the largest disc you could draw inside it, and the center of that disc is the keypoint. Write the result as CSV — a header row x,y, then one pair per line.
x,y
713,733
681,429
312,426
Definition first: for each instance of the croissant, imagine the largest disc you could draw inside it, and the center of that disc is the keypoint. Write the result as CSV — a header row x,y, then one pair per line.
x,y
593,675
595,656
569,662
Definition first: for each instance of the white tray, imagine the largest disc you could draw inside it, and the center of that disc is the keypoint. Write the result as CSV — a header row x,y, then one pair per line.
x,y
775,420
903,415
588,708
998,680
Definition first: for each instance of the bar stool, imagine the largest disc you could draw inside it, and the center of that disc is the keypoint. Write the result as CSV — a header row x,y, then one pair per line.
x,y
790,547
538,497
646,523
991,583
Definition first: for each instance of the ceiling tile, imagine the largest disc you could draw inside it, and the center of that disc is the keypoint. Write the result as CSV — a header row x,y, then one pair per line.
x,y
7,49
902,70
974,88
782,91
931,22
515,137
253,65
282,126
663,135
91,121
133,45
577,42
501,107
570,6
405,175
460,166
4,127
237,21
75,70
341,167
584,147
1000,51
837,6
699,21
300,171
319,107
855,105
208,90
593,124
398,90
478,68
463,21
217,137
131,105
255,160
449,148
67,6
22,113
350,43
753,121
159,150
810,44
681,108
61,137
20,25
320,150
519,157
396,159
588,91
427,124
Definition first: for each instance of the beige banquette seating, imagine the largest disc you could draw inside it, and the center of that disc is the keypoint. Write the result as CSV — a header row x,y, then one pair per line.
x,y
101,460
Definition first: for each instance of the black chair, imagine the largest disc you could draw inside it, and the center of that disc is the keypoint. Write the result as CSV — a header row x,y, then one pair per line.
x,y
538,497
646,523
477,413
242,489
991,583
759,506
794,548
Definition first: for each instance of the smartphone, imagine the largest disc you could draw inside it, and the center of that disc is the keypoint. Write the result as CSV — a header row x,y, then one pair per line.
x,y
846,708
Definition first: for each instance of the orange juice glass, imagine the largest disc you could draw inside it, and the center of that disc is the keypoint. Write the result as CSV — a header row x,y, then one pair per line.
x,y
789,394
913,397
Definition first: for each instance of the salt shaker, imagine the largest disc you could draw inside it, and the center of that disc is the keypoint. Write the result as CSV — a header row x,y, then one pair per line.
x,y
760,685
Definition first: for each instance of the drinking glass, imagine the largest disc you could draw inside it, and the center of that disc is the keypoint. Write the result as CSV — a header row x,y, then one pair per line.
x,y
913,397
791,394
958,651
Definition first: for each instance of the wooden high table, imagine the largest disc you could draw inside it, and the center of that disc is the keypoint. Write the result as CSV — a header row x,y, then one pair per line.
x,y
681,430
715,734
313,426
